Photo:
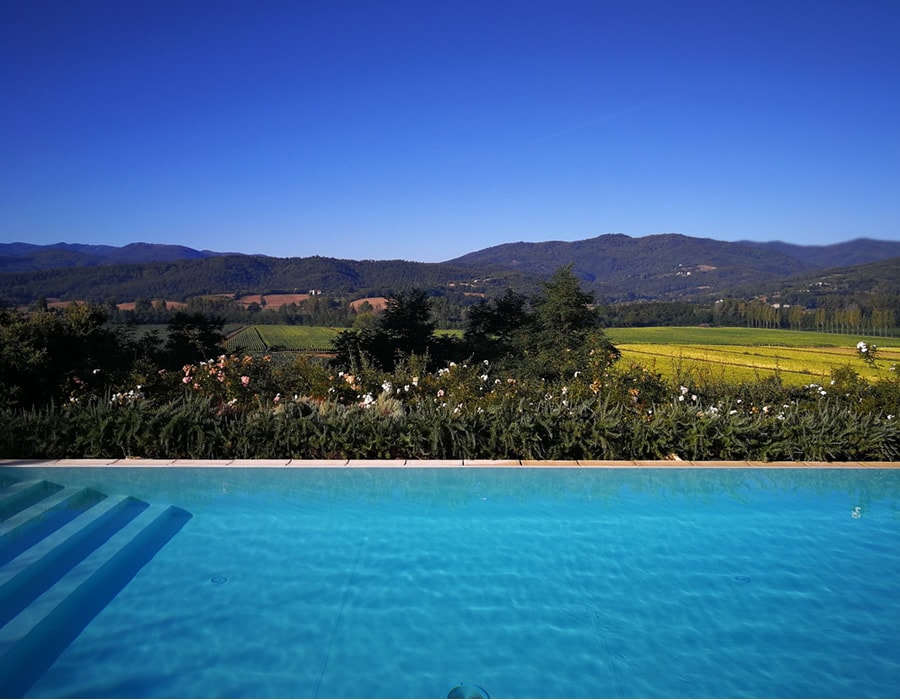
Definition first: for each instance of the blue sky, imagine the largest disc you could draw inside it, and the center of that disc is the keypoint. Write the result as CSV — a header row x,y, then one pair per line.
x,y
425,130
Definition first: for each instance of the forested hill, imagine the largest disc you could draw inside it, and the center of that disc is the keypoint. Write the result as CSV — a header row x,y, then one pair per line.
x,y
27,257
857,252
616,252
242,274
615,267
673,266
877,280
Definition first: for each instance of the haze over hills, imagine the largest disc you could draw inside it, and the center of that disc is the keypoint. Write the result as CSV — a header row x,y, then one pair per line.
x,y
615,266
855,252
27,257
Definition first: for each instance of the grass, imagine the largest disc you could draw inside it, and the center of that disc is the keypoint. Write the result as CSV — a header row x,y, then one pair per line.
x,y
678,353
701,335
282,337
746,354
287,338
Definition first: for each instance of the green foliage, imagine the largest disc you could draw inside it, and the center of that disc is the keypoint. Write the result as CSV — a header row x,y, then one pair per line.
x,y
49,354
555,334
495,328
193,337
403,330
182,280
585,406
308,410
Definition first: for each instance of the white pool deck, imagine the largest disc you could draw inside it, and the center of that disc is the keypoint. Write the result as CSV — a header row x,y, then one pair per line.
x,y
426,464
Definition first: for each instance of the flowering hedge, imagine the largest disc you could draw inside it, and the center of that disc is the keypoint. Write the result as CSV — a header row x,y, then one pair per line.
x,y
244,407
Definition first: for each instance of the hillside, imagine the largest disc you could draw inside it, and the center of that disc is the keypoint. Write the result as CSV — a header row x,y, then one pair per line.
x,y
26,257
179,280
874,280
616,267
666,266
856,252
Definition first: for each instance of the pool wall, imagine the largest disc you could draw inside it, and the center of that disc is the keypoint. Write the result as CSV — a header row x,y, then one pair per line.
x,y
419,464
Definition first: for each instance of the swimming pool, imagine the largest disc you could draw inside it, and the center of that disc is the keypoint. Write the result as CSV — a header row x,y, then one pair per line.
x,y
406,582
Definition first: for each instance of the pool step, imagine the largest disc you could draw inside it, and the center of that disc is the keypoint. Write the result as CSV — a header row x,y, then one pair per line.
x,y
33,524
19,496
63,558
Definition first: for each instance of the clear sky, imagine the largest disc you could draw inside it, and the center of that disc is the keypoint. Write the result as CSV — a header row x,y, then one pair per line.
x,y
427,129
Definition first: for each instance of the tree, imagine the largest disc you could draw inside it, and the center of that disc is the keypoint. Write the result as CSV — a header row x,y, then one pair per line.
x,y
406,320
563,313
494,328
47,354
565,329
557,332
193,337
403,329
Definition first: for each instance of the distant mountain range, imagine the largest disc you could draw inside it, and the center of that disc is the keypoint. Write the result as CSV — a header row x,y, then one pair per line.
x,y
615,267
26,257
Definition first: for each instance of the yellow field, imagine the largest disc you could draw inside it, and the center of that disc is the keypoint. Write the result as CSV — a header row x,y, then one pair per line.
x,y
730,361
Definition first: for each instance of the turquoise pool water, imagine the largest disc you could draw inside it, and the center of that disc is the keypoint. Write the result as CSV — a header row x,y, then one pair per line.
x,y
526,582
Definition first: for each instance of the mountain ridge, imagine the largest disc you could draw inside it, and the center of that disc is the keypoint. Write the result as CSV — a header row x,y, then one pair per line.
x,y
616,267
28,257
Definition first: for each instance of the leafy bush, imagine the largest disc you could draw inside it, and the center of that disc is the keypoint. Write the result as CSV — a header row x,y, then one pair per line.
x,y
462,412
566,399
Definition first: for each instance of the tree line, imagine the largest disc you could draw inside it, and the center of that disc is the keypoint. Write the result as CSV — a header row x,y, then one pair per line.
x,y
552,332
48,354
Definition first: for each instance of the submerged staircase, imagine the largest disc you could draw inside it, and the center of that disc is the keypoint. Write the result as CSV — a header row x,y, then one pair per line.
x,y
65,553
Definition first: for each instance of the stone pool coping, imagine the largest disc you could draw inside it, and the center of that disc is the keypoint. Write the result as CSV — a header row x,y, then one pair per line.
x,y
414,463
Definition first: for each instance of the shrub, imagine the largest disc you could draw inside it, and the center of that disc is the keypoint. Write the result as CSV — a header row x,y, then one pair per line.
x,y
460,411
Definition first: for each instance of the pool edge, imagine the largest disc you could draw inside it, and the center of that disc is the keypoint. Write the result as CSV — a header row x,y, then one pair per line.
x,y
439,464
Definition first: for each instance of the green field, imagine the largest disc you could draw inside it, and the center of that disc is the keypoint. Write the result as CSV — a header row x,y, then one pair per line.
x,y
266,338
679,353
746,354
701,335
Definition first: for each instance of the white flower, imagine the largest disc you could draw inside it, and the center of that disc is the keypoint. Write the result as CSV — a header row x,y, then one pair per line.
x,y
386,387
